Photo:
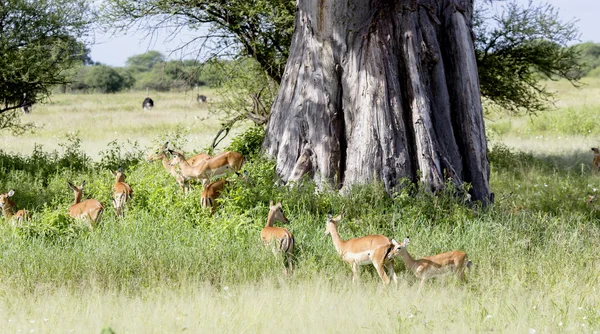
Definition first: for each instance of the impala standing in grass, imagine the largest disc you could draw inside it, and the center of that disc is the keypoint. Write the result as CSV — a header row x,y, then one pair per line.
x,y
279,238
9,207
433,266
219,165
210,194
121,192
376,249
89,210
161,154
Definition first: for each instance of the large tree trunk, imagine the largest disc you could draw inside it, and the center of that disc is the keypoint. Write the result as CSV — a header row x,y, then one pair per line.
x,y
379,91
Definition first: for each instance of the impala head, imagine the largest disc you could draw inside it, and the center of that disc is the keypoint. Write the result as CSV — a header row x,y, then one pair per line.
x,y
119,175
276,211
397,248
595,150
332,223
177,157
4,198
158,154
75,188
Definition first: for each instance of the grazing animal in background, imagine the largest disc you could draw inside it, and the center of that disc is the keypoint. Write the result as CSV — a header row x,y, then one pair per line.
x,y
210,194
89,210
375,249
596,160
279,238
26,106
216,166
8,208
148,102
201,98
433,266
161,154
121,191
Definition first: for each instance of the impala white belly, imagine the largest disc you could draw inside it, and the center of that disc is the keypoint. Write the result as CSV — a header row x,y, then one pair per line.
x,y
361,258
219,171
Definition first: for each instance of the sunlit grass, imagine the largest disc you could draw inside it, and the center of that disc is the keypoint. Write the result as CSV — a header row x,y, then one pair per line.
x,y
168,266
101,118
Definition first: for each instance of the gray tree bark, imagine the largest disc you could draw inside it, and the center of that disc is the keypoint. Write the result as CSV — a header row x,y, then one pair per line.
x,y
381,90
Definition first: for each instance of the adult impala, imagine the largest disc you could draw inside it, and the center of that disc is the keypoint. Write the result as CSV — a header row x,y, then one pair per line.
x,y
376,249
161,154
121,191
210,194
89,210
433,266
216,166
9,207
278,237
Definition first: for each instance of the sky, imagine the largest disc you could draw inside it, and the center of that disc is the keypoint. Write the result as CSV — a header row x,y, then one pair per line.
x,y
114,50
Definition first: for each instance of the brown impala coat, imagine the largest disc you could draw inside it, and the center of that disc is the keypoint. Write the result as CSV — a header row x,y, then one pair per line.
x,y
89,210
9,207
436,265
216,166
121,192
210,194
279,238
373,249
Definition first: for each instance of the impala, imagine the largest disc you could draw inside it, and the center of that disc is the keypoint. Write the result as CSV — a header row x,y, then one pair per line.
x,y
596,160
161,154
433,266
376,249
210,194
8,208
121,191
216,166
279,238
89,210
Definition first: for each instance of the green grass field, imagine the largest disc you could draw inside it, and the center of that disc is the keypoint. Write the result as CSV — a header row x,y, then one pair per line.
x,y
168,266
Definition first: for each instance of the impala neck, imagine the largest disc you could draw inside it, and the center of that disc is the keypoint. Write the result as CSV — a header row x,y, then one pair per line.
x,y
408,260
7,209
270,219
165,162
77,197
338,243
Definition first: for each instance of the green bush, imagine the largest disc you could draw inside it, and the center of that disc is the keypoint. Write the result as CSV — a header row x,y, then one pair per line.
x,y
248,143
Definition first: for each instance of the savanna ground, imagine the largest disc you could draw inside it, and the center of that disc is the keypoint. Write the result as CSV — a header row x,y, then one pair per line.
x,y
169,267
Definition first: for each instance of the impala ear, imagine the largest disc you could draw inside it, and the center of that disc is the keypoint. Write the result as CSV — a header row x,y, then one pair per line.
x,y
406,241
11,193
70,185
395,243
113,172
329,216
82,184
120,169
165,146
271,203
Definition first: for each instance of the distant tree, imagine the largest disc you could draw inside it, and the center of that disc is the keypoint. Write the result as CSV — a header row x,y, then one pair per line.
x,y
104,79
145,62
38,43
517,47
590,55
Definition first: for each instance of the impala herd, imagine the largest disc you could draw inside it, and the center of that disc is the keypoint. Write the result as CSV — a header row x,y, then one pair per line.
x,y
375,249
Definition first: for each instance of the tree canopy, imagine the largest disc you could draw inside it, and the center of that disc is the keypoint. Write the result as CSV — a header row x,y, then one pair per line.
x,y
515,46
39,41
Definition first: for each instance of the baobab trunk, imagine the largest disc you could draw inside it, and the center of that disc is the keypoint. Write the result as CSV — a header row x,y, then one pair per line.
x,y
379,91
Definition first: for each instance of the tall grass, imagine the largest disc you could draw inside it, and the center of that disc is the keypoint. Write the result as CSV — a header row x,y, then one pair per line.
x,y
169,266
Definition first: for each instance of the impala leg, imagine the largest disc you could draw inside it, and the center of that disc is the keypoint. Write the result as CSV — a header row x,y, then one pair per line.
x,y
391,272
381,272
354,272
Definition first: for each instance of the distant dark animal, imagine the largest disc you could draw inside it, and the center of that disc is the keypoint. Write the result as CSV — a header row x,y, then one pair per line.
x,y
148,104
201,98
